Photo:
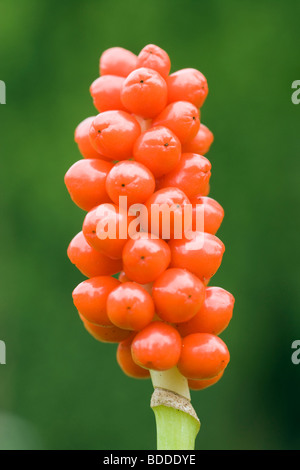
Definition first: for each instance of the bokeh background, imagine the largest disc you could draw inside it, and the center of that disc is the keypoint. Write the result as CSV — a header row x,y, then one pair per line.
x,y
60,388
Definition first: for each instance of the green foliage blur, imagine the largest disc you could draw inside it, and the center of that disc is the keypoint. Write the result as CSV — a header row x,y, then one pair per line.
x,y
60,389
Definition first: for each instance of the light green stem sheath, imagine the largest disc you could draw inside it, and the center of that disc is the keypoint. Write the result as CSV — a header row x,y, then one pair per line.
x,y
176,421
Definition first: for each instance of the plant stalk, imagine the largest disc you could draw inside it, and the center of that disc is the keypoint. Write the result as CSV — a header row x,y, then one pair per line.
x,y
177,424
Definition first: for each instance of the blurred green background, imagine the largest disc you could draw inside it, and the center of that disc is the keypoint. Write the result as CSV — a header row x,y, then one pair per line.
x,y
60,388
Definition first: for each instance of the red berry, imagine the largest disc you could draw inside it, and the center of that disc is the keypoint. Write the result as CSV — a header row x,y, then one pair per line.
x,y
145,258
201,255
210,211
214,314
155,58
132,180
90,298
191,175
157,347
105,228
202,384
114,133
117,61
106,93
201,142
85,181
177,295
158,149
89,261
182,118
144,93
127,364
130,307
187,85
203,356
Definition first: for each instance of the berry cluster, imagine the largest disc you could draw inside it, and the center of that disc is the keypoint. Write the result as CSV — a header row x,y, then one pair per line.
x,y
149,293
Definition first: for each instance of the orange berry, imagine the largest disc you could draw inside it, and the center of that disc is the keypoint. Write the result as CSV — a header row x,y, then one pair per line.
x,y
130,307
106,93
153,57
212,213
106,334
90,298
90,262
201,142
127,364
144,93
202,384
203,356
117,61
187,85
157,347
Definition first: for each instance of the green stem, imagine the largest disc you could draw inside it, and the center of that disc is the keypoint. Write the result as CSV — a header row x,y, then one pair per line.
x,y
176,421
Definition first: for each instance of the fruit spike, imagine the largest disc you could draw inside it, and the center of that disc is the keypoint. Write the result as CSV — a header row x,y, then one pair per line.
x,y
147,287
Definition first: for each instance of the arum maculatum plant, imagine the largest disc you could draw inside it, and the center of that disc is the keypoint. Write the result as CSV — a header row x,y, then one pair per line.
x,y
150,293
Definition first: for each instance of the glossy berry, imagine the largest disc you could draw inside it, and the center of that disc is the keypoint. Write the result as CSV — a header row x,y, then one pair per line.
x,y
187,85
82,138
182,118
106,93
145,258
201,254
213,316
117,61
178,295
90,298
144,93
106,334
158,149
165,213
132,180
130,307
85,181
191,175
123,278
201,143
105,228
127,364
203,356
202,384
153,57
90,262
210,212
114,133
157,347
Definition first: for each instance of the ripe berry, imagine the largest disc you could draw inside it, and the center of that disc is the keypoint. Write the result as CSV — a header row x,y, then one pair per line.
x,y
82,138
191,175
201,142
182,118
114,133
130,307
187,85
106,93
130,179
178,295
145,258
90,298
165,201
144,93
117,61
105,228
85,181
127,364
214,314
90,262
201,255
155,58
202,384
203,356
158,149
212,213
123,278
157,347
106,334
